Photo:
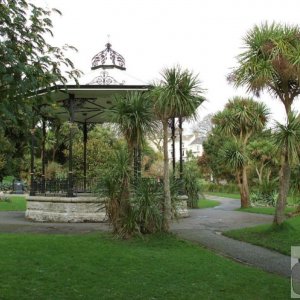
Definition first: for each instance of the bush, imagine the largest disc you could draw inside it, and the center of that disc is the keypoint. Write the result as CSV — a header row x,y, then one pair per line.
x,y
192,183
6,186
265,195
4,198
229,188
263,199
113,186
147,204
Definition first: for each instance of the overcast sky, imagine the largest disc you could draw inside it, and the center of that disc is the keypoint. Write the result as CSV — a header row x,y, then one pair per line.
x,y
203,36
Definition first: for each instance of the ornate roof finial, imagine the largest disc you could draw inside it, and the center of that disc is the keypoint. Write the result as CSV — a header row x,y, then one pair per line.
x,y
104,61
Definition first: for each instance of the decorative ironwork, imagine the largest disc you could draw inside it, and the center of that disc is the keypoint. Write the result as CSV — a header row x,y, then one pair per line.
x,y
104,79
108,59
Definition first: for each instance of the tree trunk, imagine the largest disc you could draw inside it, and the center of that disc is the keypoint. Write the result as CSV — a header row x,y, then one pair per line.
x,y
239,182
53,153
167,214
284,182
244,189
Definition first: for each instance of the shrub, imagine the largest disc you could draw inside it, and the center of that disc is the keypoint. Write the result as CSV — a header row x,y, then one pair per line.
x,y
265,195
147,204
221,188
263,199
191,182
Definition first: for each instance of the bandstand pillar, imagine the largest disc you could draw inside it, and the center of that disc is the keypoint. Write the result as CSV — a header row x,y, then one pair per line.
x,y
85,137
180,148
43,189
32,189
70,192
173,145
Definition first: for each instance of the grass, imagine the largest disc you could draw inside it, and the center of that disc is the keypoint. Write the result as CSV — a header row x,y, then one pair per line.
x,y
264,210
226,195
98,266
205,203
277,238
16,203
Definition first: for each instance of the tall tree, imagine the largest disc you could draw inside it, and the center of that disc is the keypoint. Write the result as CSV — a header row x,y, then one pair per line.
x,y
177,95
241,118
28,62
271,62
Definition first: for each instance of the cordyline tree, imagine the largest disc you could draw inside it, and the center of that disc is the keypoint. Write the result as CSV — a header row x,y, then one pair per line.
x,y
28,62
133,116
240,120
178,94
271,62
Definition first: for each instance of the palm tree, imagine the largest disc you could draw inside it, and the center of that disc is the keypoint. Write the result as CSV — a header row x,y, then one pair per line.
x,y
177,95
133,115
287,140
271,62
241,118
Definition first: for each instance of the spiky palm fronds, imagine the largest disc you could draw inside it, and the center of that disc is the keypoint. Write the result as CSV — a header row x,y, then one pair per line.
x,y
287,138
271,60
242,117
179,94
134,117
234,155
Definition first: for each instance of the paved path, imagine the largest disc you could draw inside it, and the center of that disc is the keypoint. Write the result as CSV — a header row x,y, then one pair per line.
x,y
205,226
13,221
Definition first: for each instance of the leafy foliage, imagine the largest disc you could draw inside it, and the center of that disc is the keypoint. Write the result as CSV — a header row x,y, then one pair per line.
x,y
28,61
192,184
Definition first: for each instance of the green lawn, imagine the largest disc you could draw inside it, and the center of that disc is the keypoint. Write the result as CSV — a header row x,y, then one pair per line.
x,y
264,210
280,239
205,203
17,203
99,266
226,195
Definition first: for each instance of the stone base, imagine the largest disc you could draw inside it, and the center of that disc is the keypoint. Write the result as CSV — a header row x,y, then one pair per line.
x,y
65,210
182,209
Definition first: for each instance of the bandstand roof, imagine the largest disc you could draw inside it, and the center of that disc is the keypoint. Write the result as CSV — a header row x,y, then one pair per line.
x,y
89,100
107,80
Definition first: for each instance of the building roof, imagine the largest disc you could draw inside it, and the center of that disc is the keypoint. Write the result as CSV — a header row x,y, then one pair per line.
x,y
198,141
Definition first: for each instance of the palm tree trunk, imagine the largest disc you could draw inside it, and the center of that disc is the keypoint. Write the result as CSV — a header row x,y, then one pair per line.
x,y
284,182
167,194
244,189
125,205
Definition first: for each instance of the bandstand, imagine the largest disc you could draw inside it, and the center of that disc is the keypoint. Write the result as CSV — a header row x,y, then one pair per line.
x,y
72,200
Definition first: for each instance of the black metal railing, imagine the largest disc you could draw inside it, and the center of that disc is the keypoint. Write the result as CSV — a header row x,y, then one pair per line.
x,y
60,187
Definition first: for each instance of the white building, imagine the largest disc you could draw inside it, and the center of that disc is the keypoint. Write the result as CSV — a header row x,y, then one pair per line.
x,y
191,143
